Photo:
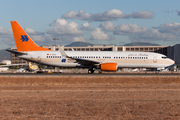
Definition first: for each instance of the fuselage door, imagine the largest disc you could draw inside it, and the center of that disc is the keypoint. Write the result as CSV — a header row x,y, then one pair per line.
x,y
155,59
39,57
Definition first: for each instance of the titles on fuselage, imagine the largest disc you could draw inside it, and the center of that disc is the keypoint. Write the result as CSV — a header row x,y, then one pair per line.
x,y
134,55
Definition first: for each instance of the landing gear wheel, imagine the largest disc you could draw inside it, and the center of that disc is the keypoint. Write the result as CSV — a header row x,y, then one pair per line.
x,y
157,72
90,71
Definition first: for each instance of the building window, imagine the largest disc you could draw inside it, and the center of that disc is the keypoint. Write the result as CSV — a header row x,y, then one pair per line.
x,y
119,49
151,49
136,49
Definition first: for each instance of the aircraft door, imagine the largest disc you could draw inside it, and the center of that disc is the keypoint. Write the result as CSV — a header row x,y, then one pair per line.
x,y
31,57
155,59
39,57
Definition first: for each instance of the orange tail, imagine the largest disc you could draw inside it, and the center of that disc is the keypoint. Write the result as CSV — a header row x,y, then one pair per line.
x,y
23,41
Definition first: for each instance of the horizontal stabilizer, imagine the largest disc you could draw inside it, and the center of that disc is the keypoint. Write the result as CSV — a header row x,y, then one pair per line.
x,y
15,52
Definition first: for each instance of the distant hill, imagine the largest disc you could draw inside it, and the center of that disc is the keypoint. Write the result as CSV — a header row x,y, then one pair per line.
x,y
4,55
84,44
78,44
141,44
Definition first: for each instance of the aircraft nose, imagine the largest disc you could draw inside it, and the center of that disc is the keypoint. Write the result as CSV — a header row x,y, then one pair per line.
x,y
171,61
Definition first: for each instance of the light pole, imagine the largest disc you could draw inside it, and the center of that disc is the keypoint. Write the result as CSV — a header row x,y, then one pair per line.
x,y
55,40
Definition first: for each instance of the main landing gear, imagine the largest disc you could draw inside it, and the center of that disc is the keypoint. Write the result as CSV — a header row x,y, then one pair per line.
x,y
157,72
91,71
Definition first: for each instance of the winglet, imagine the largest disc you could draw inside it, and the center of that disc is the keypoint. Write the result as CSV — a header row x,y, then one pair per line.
x,y
72,49
23,41
62,52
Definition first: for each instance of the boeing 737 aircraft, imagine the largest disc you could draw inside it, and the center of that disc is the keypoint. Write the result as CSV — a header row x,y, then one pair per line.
x,y
101,60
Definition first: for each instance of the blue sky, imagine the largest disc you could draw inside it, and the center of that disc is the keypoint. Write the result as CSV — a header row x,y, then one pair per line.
x,y
99,22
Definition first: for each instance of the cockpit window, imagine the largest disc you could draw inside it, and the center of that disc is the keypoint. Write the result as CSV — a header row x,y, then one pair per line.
x,y
164,57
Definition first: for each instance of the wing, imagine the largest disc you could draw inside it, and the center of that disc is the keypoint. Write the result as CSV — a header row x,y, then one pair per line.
x,y
85,62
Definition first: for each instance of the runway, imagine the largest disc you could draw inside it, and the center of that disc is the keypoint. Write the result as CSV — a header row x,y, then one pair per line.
x,y
95,74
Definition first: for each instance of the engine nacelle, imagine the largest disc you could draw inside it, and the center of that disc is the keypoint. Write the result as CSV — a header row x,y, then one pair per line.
x,y
108,67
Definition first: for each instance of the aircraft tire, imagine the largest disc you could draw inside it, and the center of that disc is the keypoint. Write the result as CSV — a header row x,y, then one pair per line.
x,y
90,71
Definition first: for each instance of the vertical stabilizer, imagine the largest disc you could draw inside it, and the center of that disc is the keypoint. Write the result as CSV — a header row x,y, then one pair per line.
x,y
23,41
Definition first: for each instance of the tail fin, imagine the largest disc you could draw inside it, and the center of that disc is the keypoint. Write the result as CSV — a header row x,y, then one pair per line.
x,y
23,41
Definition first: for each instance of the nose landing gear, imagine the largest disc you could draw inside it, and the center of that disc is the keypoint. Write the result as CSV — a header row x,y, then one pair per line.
x,y
91,71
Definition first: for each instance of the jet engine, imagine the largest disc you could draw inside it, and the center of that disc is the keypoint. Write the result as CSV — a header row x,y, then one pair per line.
x,y
108,67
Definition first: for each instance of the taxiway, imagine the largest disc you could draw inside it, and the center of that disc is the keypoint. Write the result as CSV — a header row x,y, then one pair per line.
x,y
95,74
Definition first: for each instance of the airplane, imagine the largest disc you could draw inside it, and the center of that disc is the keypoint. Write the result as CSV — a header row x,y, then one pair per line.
x,y
5,64
29,68
93,60
32,67
4,69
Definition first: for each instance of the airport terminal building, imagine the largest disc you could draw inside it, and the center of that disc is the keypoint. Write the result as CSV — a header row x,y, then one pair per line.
x,y
172,52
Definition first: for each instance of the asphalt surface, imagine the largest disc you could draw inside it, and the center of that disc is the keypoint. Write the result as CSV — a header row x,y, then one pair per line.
x,y
95,74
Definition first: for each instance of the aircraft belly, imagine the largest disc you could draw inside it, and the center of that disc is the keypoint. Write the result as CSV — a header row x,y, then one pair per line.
x,y
61,64
58,62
